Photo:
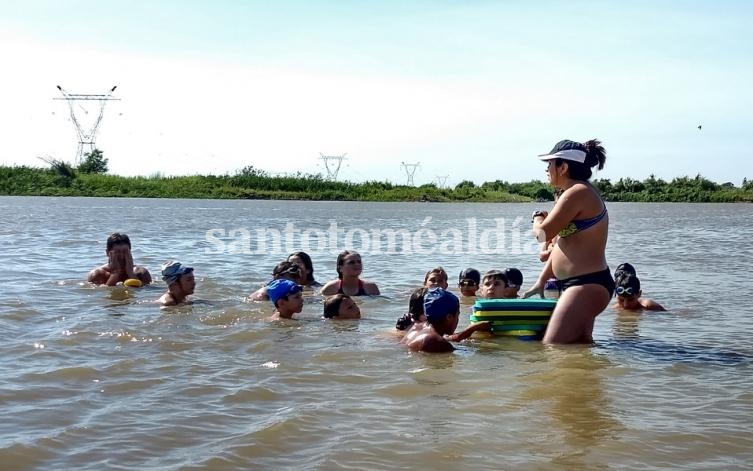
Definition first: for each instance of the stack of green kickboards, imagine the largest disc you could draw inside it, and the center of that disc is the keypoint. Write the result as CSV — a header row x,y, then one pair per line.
x,y
525,319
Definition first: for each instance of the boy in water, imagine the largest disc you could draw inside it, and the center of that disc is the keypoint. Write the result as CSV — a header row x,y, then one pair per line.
x,y
119,266
287,298
469,281
629,295
341,307
495,285
180,283
442,310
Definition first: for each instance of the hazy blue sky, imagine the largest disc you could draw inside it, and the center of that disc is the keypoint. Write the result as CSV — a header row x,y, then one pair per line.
x,y
470,89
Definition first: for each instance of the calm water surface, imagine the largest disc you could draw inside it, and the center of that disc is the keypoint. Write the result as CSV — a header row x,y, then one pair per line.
x,y
101,378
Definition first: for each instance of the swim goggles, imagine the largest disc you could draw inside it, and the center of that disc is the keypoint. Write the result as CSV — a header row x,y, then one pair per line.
x,y
624,291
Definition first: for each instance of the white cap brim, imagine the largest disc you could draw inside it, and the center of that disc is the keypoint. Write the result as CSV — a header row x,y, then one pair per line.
x,y
569,154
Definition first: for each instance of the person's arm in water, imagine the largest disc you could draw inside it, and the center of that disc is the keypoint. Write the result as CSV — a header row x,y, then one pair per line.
x,y
483,326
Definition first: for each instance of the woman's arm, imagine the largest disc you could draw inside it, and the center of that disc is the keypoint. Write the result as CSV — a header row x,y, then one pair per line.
x,y
567,207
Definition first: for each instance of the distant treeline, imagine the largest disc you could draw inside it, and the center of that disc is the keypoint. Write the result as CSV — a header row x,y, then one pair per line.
x,y
252,183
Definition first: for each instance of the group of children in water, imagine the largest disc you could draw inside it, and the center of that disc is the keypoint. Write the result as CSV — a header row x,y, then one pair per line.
x,y
433,311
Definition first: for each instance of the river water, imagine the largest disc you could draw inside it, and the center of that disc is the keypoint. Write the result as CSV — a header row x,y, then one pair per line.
x,y
101,378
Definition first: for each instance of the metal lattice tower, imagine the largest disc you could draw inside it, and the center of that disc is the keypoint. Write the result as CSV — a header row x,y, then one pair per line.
x,y
441,180
410,170
87,135
336,160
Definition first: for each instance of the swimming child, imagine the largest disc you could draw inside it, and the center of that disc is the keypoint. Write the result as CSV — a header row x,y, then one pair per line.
x,y
495,285
180,283
469,281
629,295
442,310
436,278
341,307
287,298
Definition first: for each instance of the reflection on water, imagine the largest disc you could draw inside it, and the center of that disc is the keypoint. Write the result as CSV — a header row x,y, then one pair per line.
x,y
571,394
625,326
93,378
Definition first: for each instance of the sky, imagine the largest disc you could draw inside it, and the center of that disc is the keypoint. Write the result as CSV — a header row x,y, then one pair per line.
x,y
471,90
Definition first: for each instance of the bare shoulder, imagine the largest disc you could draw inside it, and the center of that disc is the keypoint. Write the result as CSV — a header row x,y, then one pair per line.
x,y
330,287
435,343
371,288
166,300
260,294
651,305
425,339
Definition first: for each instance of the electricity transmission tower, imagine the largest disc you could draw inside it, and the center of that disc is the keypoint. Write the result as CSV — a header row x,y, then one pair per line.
x,y
441,180
336,160
87,133
410,170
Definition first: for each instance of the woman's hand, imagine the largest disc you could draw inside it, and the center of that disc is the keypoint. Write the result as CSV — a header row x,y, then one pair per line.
x,y
539,213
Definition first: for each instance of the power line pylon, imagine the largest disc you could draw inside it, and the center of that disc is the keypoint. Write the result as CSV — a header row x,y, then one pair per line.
x,y
441,180
410,170
336,160
87,134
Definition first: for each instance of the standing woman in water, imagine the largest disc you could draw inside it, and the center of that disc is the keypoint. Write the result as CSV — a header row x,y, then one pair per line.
x,y
580,220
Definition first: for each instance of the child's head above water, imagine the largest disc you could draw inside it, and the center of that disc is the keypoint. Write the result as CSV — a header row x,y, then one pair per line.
x,y
436,278
495,285
341,306
442,310
469,281
628,286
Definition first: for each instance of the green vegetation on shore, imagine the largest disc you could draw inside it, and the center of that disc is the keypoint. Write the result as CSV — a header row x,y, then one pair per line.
x,y
251,183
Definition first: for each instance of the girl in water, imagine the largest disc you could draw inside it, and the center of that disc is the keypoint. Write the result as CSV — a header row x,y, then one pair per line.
x,y
306,268
349,268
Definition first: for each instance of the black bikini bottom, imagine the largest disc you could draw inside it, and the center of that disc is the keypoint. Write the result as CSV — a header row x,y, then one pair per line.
x,y
603,278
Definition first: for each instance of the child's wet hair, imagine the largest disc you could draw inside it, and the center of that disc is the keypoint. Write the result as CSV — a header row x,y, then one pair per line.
x,y
332,305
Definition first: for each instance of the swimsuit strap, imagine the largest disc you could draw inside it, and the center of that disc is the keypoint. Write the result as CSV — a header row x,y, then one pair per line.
x,y
361,290
577,225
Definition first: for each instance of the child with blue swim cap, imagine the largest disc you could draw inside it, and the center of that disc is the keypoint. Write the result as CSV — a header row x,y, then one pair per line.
x,y
287,298
442,310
